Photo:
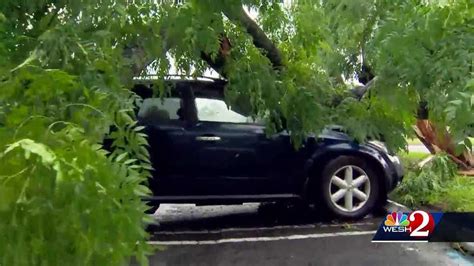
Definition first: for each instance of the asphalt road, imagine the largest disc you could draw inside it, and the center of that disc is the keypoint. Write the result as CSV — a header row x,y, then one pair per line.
x,y
272,234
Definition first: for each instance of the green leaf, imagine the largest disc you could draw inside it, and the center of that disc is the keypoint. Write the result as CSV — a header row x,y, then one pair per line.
x,y
30,146
121,157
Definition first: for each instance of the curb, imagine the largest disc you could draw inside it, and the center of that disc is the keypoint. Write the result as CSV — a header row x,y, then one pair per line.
x,y
393,206
468,247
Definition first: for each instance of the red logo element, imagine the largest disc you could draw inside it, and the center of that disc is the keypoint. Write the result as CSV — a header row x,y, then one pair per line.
x,y
421,223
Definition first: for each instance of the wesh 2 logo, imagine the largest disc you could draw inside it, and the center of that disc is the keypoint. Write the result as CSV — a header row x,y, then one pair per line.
x,y
418,224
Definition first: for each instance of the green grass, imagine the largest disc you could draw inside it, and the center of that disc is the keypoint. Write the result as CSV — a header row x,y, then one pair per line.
x,y
414,156
414,141
410,160
452,195
431,186
460,195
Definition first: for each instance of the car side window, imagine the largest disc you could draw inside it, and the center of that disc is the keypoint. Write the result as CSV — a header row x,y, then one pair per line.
x,y
215,110
159,111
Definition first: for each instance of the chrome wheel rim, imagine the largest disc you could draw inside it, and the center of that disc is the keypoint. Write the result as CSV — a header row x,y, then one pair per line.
x,y
349,188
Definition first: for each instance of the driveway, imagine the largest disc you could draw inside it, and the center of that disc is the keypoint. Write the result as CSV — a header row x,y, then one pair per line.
x,y
270,234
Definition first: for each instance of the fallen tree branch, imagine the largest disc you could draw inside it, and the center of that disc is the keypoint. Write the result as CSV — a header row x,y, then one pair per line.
x,y
135,53
220,60
235,13
360,91
425,161
239,16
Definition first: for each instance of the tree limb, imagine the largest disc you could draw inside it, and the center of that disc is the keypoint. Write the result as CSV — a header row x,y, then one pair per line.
x,y
360,91
238,15
220,60
136,55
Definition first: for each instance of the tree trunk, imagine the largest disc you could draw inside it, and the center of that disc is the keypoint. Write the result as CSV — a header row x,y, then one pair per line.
x,y
438,140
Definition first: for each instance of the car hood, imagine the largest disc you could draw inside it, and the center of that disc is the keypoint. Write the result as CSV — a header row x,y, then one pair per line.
x,y
333,133
330,134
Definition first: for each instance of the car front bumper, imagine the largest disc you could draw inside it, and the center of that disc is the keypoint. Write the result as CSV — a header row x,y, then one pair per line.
x,y
397,170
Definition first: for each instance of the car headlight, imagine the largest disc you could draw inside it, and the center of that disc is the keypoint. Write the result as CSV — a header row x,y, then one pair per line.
x,y
380,145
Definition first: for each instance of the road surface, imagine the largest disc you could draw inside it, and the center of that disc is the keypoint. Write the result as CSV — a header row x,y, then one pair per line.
x,y
271,234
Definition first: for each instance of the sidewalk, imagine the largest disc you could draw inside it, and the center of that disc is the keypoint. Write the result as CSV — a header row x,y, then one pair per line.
x,y
417,148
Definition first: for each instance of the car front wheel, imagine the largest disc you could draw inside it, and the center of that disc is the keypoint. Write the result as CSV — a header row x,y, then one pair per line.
x,y
349,187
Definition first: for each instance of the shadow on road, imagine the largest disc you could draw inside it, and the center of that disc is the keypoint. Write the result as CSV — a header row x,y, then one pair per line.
x,y
189,217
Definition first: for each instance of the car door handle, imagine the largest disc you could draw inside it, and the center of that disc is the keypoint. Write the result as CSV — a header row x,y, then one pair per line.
x,y
208,138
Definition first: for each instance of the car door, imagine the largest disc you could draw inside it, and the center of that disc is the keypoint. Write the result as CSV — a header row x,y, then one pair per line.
x,y
170,146
234,156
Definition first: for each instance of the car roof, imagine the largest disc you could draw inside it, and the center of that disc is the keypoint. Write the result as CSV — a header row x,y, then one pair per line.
x,y
202,87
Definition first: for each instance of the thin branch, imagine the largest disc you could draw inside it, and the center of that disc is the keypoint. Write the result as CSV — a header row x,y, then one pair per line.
x,y
359,92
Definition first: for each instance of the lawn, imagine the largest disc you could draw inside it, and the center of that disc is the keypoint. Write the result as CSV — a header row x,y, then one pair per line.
x,y
410,160
460,195
431,187
416,141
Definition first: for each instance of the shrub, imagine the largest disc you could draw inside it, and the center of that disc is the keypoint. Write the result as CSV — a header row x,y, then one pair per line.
x,y
423,186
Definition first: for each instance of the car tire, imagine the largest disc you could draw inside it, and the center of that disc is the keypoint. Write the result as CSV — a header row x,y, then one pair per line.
x,y
344,190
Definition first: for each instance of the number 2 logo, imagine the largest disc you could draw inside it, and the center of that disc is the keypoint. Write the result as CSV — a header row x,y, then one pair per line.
x,y
422,223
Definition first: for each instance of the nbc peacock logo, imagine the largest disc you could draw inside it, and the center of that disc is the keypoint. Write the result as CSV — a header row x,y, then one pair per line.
x,y
397,222
397,219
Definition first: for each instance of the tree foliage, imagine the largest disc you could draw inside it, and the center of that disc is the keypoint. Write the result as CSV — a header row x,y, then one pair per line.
x,y
67,66
418,50
64,83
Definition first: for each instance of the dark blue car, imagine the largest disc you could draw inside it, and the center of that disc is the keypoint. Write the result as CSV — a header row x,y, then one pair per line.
x,y
206,153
